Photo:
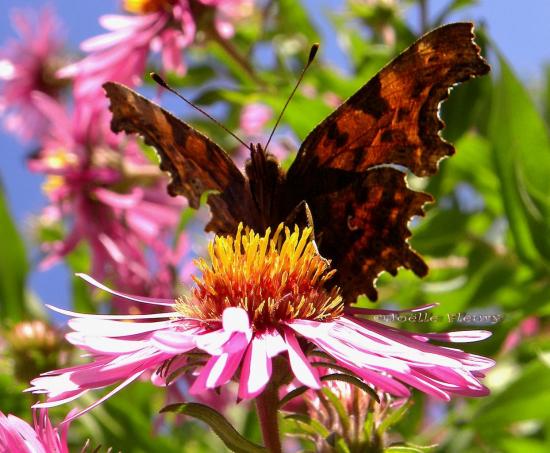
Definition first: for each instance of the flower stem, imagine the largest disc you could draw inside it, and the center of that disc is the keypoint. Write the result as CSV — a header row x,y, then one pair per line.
x,y
267,405
243,62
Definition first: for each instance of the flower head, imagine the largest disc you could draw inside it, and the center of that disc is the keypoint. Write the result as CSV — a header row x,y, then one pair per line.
x,y
362,423
28,66
17,436
147,6
262,298
108,194
163,26
275,279
34,347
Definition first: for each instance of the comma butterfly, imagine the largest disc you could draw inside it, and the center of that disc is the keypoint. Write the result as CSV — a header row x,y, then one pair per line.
x,y
349,171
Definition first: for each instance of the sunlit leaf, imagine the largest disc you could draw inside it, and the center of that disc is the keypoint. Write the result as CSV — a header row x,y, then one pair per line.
x,y
522,159
528,397
219,424
13,268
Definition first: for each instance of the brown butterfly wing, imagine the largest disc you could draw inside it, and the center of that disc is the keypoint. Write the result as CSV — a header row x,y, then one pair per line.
x,y
195,163
392,120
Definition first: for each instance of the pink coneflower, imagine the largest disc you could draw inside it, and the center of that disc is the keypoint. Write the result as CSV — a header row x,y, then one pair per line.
x,y
259,311
27,66
163,26
107,193
16,435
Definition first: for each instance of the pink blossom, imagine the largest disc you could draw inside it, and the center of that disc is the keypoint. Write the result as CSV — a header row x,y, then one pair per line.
x,y
228,13
254,118
91,183
27,66
17,436
255,303
252,123
526,328
165,27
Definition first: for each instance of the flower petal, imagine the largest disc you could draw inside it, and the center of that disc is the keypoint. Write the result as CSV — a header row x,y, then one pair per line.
x,y
256,369
173,342
301,368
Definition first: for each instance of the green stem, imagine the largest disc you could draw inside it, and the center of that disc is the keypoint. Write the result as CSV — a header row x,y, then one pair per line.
x,y
243,62
267,404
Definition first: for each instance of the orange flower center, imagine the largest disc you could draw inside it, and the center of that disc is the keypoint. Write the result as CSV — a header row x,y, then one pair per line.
x,y
147,6
275,278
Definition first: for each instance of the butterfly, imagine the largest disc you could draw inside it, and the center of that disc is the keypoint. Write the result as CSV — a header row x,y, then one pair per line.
x,y
348,174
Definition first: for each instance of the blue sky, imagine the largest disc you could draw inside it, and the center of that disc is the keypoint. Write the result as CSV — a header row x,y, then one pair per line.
x,y
520,30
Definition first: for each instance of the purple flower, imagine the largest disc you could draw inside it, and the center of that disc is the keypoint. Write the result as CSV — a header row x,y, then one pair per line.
x,y
163,26
108,194
261,299
28,66
16,435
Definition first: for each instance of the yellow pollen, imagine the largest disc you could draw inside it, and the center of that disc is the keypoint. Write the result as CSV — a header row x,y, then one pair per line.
x,y
60,158
275,277
147,6
52,183
57,159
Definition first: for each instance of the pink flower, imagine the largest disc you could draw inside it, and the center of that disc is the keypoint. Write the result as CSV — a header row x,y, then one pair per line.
x,y
27,66
260,298
254,118
108,193
526,328
163,26
252,123
229,12
17,436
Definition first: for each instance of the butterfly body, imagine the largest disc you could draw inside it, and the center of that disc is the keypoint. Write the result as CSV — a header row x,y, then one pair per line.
x,y
349,175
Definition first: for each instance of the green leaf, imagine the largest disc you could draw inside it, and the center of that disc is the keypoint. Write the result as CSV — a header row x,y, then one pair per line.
x,y
527,398
294,19
293,394
404,449
352,380
339,408
522,159
13,268
452,7
515,444
465,108
394,417
113,424
229,435
307,425
341,446
546,97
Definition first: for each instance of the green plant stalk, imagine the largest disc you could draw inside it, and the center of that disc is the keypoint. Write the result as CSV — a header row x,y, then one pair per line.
x,y
267,404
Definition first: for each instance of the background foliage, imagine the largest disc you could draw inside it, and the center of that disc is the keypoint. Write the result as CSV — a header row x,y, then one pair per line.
x,y
487,237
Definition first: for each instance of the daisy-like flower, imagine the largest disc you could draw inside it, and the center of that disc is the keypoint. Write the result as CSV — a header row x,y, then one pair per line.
x,y
260,299
163,26
17,435
27,66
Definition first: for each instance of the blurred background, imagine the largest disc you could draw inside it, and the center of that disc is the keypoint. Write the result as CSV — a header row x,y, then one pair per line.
x,y
486,239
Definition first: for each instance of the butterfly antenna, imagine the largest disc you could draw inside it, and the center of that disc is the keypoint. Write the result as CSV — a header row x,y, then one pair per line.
x,y
159,80
312,53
